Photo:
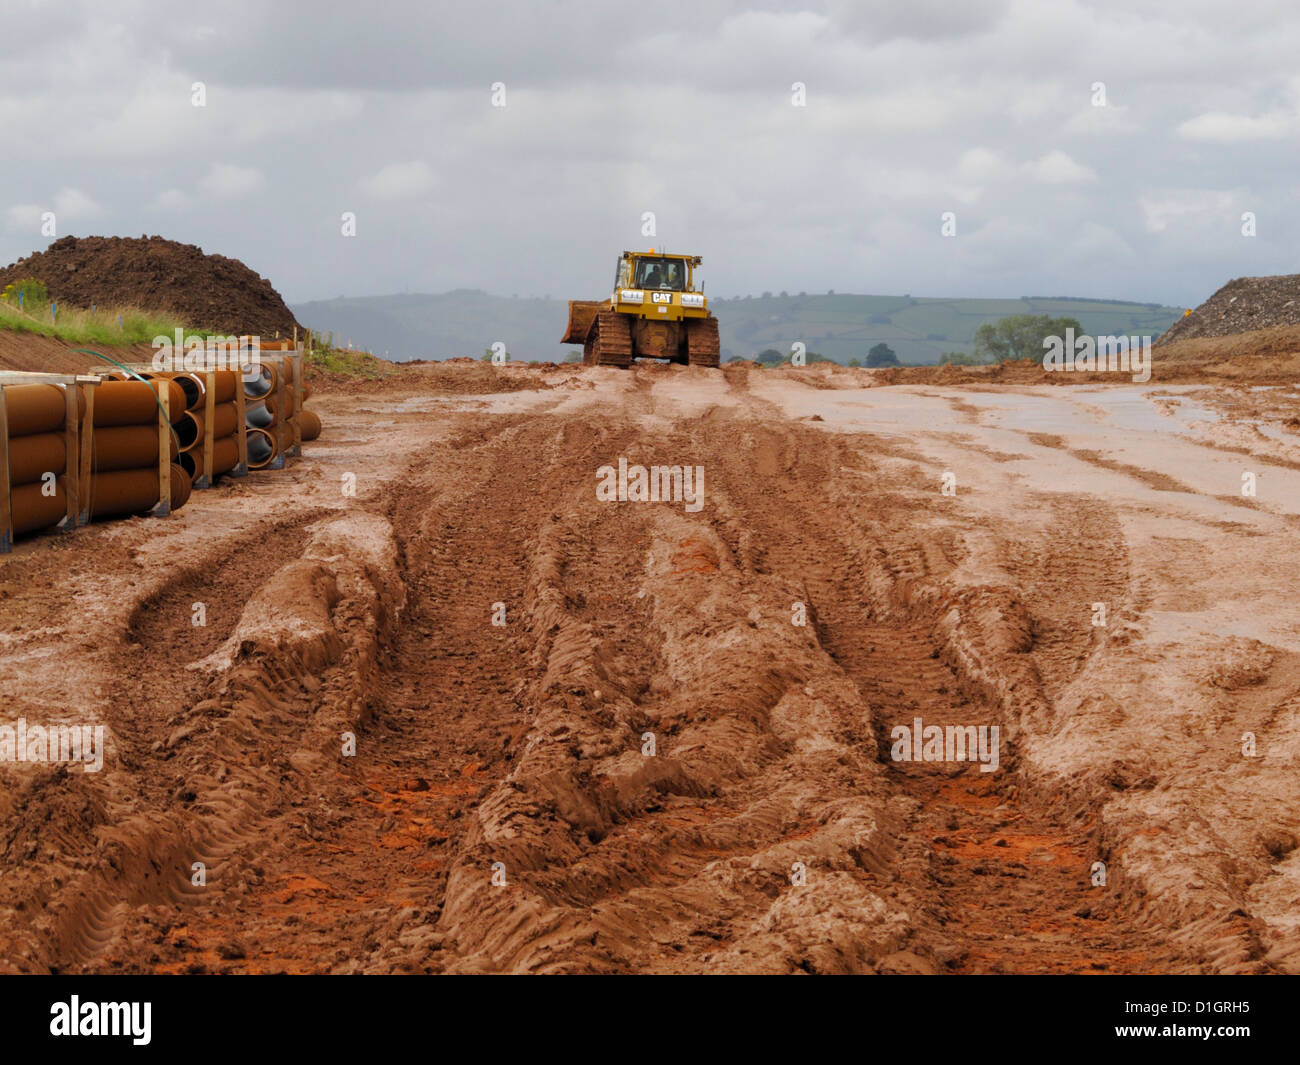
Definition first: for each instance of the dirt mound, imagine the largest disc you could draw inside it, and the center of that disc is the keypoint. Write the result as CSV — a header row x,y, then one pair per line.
x,y
1243,305
1280,342
204,291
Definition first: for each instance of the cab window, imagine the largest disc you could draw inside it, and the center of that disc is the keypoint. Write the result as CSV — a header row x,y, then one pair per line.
x,y
662,274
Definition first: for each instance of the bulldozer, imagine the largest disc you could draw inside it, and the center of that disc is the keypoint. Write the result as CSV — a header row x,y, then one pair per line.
x,y
655,312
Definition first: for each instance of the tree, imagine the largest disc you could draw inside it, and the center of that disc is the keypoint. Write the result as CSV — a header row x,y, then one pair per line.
x,y
855,361
958,358
882,355
1019,336
770,357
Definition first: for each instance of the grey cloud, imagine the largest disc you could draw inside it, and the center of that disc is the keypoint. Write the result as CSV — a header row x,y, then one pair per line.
x,y
911,111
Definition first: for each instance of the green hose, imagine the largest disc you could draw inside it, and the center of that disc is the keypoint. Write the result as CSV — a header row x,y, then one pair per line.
x,y
132,373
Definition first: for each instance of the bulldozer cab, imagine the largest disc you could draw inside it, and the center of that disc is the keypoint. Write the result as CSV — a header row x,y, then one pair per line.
x,y
659,273
663,274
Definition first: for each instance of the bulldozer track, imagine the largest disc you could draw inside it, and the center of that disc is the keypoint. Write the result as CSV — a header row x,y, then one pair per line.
x,y
520,746
609,341
702,345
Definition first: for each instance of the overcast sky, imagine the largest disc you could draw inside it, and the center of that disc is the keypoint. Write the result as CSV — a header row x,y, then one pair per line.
x,y
911,109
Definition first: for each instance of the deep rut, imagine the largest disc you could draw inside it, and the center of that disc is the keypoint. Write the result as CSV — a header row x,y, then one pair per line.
x,y
998,876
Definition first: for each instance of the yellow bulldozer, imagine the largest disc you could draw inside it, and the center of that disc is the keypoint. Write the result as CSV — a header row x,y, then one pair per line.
x,y
656,312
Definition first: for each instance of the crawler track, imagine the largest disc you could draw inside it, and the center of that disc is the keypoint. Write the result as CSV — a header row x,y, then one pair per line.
x,y
609,342
702,344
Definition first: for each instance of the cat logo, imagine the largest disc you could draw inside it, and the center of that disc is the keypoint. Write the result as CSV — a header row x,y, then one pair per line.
x,y
661,297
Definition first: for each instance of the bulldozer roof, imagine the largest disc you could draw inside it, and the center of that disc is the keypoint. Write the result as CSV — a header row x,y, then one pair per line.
x,y
694,260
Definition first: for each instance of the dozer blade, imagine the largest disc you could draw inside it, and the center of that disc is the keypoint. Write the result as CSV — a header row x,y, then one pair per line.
x,y
581,314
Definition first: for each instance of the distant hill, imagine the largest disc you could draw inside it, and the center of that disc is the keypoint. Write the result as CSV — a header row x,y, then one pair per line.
x,y
840,326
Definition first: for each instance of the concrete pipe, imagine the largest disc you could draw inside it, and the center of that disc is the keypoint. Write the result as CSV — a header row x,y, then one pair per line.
x,y
262,449
190,429
126,447
193,391
32,457
32,509
134,491
224,384
136,402
260,380
260,415
34,409
310,422
225,457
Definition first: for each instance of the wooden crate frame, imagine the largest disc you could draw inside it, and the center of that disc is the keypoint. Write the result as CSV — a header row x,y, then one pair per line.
x,y
76,442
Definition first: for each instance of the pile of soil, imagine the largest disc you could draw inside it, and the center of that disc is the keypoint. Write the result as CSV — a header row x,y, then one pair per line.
x,y
1244,304
203,291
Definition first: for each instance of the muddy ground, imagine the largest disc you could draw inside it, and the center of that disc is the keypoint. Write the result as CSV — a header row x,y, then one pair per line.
x,y
652,765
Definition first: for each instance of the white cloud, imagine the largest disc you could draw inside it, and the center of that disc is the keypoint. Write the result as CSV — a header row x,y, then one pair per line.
x,y
399,181
68,204
982,164
1057,168
73,203
1161,210
24,216
170,200
227,180
1109,120
1220,128
1099,244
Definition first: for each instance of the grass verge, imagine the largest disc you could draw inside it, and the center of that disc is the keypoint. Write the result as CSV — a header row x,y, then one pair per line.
x,y
105,326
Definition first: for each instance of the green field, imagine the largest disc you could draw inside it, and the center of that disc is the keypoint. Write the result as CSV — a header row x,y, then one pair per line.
x,y
840,326
919,330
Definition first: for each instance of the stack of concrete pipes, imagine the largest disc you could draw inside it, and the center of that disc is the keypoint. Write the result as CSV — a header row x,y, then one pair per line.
x,y
38,445
79,448
125,468
63,473
273,431
267,426
191,425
